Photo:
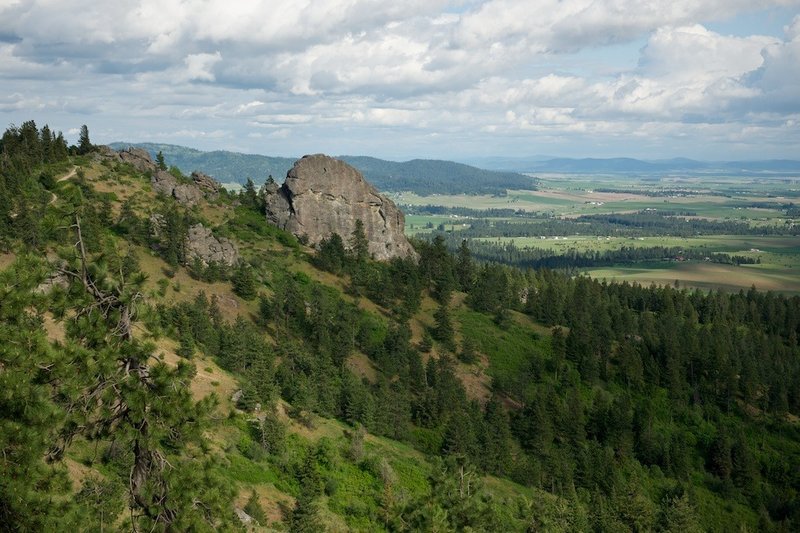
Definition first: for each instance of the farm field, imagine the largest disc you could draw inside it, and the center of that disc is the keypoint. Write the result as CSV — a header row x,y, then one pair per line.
x,y
759,204
572,196
785,249
706,276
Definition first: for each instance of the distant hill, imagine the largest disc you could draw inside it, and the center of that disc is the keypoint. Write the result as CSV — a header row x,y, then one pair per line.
x,y
224,166
421,176
626,165
430,176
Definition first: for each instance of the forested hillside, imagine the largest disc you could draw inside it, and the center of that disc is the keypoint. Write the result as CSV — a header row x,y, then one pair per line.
x,y
306,390
224,166
423,177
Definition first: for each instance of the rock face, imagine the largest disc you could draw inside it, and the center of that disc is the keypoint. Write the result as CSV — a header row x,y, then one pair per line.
x,y
165,183
206,183
322,195
140,159
203,245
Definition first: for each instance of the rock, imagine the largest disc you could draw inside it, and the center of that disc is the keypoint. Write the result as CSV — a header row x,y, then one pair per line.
x,y
55,279
203,245
322,195
236,396
206,183
106,153
140,159
244,518
157,224
187,195
165,183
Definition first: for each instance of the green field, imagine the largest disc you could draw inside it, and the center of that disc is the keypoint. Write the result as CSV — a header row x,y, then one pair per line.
x,y
419,223
755,201
706,276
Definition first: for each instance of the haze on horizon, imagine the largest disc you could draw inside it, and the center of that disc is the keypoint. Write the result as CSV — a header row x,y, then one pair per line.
x,y
706,79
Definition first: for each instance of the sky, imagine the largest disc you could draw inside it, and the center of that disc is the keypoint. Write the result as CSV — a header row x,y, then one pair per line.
x,y
462,79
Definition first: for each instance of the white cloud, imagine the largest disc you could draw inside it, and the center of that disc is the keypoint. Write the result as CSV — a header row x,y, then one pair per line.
x,y
199,66
344,68
689,52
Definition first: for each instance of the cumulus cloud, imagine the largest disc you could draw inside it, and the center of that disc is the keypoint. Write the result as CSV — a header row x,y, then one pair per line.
x,y
199,66
450,69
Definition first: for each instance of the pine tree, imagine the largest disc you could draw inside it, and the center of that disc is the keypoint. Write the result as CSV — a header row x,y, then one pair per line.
x,y
468,354
84,144
465,269
244,281
443,330
249,196
331,255
47,141
30,417
359,246
679,516
162,165
186,347
145,408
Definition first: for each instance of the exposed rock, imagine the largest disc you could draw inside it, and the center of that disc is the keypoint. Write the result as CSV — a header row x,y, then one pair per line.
x,y
165,183
187,195
55,279
244,518
322,195
203,245
140,159
206,183
157,224
104,152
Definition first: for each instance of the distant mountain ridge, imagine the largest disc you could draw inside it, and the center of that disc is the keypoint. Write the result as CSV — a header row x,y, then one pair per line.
x,y
678,165
224,166
422,176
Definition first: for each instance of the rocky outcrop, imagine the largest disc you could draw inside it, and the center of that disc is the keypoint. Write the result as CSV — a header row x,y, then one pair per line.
x,y
206,183
322,195
203,245
140,159
201,186
165,183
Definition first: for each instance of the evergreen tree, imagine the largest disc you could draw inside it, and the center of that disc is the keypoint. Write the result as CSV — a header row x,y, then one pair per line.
x,y
30,417
359,246
468,353
160,163
249,196
84,144
145,408
465,268
443,330
186,347
331,255
244,281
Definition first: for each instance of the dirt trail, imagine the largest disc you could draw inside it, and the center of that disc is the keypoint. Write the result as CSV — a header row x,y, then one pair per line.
x,y
68,175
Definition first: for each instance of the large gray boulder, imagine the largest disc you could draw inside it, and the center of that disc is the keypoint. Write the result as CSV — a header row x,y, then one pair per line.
x,y
203,245
323,195
187,194
139,158
206,183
